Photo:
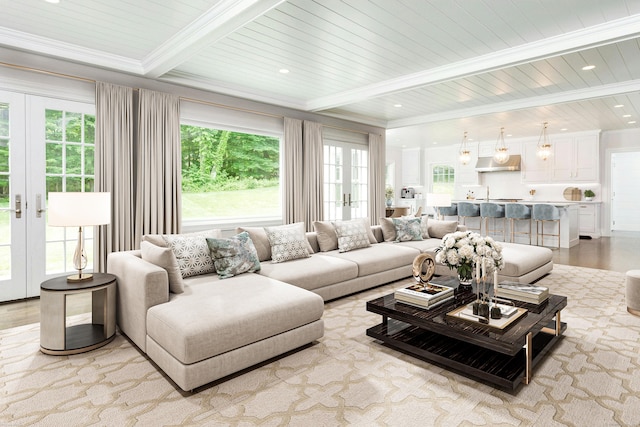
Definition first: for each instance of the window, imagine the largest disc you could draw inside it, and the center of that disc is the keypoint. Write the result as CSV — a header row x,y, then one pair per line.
x,y
229,176
345,181
443,179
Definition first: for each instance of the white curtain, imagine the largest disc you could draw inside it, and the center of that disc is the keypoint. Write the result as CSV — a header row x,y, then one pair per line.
x,y
114,163
312,150
377,166
158,172
292,174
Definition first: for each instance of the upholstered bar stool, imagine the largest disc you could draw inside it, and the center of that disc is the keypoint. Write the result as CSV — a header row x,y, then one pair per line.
x,y
446,211
493,211
542,213
633,292
516,212
469,210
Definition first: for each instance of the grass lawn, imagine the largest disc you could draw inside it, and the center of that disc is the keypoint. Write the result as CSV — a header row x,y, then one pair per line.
x,y
232,204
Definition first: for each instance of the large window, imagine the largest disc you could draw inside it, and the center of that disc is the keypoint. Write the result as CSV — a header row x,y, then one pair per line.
x,y
443,179
228,176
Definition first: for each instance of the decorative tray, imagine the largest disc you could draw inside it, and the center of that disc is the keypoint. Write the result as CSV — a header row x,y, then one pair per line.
x,y
465,313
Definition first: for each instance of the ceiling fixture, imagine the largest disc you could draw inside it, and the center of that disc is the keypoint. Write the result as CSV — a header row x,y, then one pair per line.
x,y
618,106
465,154
588,67
502,152
543,150
626,116
397,105
283,71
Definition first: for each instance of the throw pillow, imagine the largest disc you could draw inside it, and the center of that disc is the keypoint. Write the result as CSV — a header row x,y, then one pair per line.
x,y
407,229
351,234
424,226
260,241
288,242
327,237
158,240
192,254
234,255
438,228
164,258
388,229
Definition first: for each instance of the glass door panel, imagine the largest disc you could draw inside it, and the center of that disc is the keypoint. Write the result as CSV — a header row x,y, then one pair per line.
x,y
345,181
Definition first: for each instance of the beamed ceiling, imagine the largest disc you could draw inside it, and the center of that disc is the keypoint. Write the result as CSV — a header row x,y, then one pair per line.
x,y
425,70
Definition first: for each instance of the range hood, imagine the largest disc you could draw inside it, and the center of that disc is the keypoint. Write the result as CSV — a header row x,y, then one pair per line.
x,y
488,164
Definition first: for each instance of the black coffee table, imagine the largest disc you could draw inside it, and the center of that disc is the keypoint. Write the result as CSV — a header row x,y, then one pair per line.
x,y
504,358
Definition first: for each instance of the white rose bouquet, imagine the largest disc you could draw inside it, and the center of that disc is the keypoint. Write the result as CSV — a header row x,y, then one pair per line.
x,y
463,250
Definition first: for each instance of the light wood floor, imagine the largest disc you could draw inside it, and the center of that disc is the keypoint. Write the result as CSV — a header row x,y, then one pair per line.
x,y
617,253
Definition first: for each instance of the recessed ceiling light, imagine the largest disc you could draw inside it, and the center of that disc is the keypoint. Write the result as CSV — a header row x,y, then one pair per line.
x,y
632,122
626,115
435,142
588,67
618,106
283,71
563,129
509,134
53,1
397,105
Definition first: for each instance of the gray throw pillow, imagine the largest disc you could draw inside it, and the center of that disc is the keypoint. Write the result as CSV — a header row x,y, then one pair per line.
x,y
288,242
327,237
164,258
234,255
407,229
388,229
438,229
192,254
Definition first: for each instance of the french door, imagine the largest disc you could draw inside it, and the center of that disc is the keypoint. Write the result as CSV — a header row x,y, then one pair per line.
x,y
45,145
346,181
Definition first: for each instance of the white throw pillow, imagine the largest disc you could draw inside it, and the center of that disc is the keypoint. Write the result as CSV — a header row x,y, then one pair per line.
x,y
164,258
192,254
288,242
351,234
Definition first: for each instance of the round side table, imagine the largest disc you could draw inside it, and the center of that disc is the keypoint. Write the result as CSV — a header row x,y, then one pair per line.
x,y
59,339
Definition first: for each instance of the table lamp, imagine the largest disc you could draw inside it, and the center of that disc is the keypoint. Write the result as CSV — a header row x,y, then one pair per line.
x,y
438,201
79,210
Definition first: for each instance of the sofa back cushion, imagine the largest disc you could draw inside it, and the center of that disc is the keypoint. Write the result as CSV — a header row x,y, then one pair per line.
x,y
438,229
158,240
164,258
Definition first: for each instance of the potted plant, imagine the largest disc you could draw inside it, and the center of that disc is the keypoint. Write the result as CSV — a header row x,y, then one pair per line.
x,y
589,195
388,194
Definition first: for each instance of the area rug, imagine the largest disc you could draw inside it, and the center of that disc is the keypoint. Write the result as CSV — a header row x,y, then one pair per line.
x,y
591,378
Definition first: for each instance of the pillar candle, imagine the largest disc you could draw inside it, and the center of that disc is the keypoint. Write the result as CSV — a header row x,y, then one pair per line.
x,y
477,271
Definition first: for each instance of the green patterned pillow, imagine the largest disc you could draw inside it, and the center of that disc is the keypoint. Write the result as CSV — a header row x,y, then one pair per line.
x,y
351,234
191,253
234,255
407,229
288,242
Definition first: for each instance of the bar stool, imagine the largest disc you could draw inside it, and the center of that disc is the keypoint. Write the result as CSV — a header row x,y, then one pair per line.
x,y
469,210
545,213
495,211
515,212
448,210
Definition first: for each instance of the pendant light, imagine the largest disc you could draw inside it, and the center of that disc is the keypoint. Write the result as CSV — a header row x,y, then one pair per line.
x,y
543,150
502,152
465,154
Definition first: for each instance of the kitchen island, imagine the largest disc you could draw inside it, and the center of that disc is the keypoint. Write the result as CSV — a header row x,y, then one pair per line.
x,y
569,223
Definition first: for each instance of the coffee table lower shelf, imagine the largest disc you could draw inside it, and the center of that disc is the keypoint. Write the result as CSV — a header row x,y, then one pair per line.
x,y
503,370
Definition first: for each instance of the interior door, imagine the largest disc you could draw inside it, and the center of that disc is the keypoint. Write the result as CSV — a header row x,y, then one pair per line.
x,y
625,176
346,185
13,219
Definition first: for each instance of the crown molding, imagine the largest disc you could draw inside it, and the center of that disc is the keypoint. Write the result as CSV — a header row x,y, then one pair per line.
x,y
70,52
224,18
587,38
536,101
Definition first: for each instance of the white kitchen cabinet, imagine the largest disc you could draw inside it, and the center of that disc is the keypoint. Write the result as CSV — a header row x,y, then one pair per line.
x,y
411,167
589,219
534,170
467,174
576,159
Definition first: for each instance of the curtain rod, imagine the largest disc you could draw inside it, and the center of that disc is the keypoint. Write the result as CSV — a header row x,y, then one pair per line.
x,y
182,98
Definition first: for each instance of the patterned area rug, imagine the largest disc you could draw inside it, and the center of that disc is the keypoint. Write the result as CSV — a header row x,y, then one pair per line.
x,y
591,378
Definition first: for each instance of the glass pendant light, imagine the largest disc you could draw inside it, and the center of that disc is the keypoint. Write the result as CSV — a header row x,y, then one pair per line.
x,y
465,154
543,150
502,152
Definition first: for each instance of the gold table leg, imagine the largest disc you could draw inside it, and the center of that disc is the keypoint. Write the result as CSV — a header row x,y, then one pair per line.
x,y
528,350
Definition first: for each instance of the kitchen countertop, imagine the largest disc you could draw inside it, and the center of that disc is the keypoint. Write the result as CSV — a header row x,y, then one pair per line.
x,y
531,202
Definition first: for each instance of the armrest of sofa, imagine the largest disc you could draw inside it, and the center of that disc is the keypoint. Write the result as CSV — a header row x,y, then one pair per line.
x,y
141,285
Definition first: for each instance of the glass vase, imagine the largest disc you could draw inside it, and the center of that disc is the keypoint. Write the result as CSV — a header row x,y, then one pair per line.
x,y
465,276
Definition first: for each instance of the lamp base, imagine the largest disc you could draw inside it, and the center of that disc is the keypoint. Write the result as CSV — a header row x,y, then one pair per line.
x,y
76,278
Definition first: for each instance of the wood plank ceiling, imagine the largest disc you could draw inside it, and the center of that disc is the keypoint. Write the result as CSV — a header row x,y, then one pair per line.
x,y
453,66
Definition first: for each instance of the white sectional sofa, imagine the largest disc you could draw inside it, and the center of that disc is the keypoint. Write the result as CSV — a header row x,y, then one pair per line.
x,y
216,327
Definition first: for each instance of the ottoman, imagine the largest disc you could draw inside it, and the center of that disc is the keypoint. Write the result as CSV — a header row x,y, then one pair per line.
x,y
633,292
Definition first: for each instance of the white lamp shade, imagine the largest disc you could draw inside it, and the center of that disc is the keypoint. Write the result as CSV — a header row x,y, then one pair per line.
x,y
79,209
438,200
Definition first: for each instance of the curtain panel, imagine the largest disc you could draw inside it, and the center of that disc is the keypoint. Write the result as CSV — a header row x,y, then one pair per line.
x,y
312,151
158,164
293,172
114,165
377,166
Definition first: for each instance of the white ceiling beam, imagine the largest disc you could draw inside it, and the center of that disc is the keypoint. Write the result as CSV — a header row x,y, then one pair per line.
x,y
597,35
71,52
536,101
216,23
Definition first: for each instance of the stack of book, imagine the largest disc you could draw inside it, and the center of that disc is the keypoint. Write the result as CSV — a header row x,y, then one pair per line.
x,y
523,292
427,296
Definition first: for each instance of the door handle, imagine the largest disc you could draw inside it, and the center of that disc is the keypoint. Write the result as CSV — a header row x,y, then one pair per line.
x,y
18,209
349,199
39,209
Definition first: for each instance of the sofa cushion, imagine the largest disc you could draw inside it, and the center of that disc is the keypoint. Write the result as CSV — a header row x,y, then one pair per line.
x,y
288,242
352,234
521,259
407,229
215,316
164,257
261,241
378,258
388,229
311,273
438,229
234,255
424,245
328,239
158,240
192,254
